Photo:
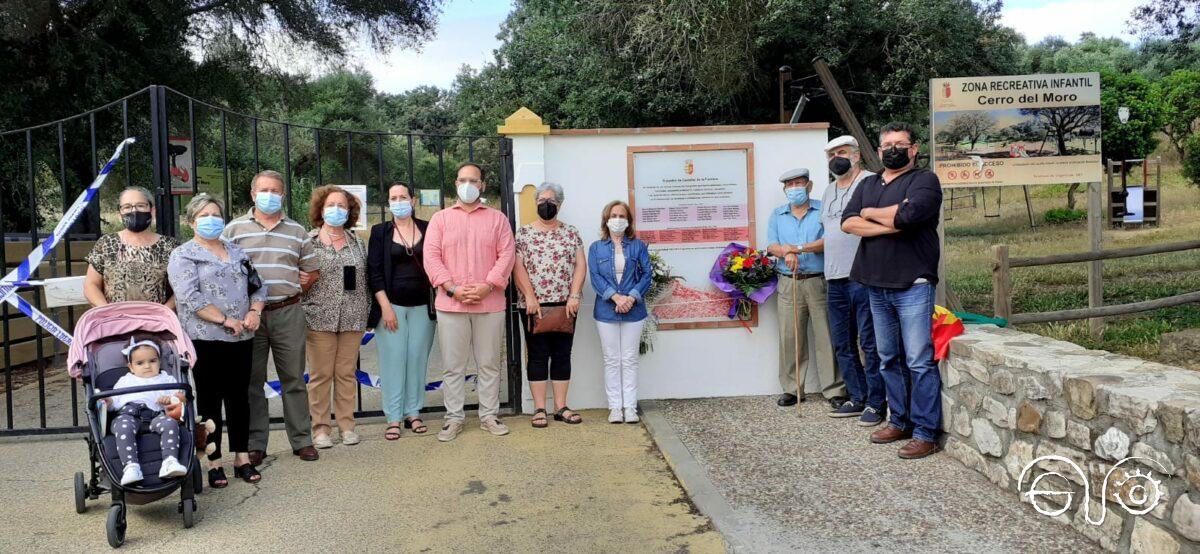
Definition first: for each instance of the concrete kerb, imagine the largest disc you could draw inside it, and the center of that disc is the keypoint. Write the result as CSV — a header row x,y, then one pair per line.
x,y
696,483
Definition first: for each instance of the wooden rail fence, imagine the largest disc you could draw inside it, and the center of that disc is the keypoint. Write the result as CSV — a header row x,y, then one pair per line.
x,y
1096,311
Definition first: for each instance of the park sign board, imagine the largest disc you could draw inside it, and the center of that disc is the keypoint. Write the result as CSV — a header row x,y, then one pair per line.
x,y
1016,129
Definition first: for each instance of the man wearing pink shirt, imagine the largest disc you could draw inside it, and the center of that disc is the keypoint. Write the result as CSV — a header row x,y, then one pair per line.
x,y
469,254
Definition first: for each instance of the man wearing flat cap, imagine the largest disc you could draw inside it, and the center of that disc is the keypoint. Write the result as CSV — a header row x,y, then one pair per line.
x,y
795,237
849,302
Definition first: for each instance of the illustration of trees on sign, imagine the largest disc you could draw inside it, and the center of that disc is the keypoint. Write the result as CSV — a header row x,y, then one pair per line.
x,y
1062,122
970,126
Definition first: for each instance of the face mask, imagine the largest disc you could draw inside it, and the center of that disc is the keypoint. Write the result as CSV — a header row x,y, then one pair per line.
x,y
209,226
401,208
547,210
839,166
268,202
468,193
335,216
895,158
797,196
617,225
136,221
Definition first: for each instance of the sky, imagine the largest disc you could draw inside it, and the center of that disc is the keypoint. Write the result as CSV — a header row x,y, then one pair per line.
x,y
467,29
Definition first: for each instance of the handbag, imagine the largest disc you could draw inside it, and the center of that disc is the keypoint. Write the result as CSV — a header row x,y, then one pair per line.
x,y
253,280
554,319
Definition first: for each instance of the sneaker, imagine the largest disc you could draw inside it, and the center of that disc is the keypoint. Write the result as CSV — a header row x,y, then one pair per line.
x,y
171,468
450,430
870,417
133,474
631,415
350,438
493,426
847,409
837,401
322,441
615,416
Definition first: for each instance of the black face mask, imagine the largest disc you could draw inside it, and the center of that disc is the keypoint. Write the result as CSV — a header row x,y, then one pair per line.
x,y
839,166
895,158
136,221
547,210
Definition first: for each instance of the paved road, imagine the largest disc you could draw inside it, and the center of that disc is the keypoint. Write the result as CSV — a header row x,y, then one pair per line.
x,y
589,488
809,483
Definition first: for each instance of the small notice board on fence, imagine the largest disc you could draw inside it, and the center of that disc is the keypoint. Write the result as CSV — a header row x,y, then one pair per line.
x,y
689,202
1016,129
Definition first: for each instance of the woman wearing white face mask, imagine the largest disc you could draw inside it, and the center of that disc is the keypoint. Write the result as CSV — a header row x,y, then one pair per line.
x,y
219,313
619,267
402,312
336,309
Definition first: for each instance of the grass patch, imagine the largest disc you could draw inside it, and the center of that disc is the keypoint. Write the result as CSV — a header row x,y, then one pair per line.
x,y
969,236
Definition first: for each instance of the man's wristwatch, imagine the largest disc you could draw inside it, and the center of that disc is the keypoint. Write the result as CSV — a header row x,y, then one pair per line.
x,y
450,291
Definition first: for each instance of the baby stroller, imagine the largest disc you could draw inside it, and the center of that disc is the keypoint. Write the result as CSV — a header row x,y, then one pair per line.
x,y
95,358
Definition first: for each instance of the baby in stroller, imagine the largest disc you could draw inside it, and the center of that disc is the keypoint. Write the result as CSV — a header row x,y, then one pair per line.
x,y
142,357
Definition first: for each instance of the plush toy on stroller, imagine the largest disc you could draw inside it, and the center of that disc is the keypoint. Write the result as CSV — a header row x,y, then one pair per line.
x,y
133,360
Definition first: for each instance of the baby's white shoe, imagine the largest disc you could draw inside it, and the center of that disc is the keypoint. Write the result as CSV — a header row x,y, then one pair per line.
x,y
171,468
614,416
631,415
133,474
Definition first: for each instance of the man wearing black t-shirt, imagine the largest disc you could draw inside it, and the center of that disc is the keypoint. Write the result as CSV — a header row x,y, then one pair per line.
x,y
896,213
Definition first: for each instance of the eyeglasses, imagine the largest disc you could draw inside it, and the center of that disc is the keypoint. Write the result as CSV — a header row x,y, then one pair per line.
x,y
900,145
139,207
465,181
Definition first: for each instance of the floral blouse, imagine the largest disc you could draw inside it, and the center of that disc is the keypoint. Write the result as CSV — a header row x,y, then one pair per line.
x,y
549,258
327,305
202,279
133,272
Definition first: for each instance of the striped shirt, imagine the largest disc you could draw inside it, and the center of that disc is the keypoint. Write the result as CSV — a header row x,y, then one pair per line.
x,y
279,253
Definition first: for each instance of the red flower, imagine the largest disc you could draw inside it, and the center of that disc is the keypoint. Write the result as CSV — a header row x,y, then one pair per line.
x,y
747,263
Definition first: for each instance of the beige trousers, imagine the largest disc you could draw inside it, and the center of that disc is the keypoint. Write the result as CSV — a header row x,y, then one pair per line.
x,y
809,297
461,335
332,360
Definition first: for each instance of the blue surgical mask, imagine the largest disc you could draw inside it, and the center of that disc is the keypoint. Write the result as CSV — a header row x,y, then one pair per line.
x,y
335,216
401,208
268,202
797,195
209,226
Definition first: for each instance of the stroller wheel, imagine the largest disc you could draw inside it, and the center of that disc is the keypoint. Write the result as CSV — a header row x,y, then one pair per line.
x,y
80,493
116,525
188,507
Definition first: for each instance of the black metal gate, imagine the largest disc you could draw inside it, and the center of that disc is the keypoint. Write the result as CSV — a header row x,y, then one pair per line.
x,y
186,145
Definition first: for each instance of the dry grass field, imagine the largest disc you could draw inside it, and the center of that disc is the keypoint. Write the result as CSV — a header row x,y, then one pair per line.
x,y
969,236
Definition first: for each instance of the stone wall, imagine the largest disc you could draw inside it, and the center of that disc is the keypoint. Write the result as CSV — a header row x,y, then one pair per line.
x,y
1011,397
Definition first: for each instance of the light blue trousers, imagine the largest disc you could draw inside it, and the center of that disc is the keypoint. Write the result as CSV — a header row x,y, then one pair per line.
x,y
404,361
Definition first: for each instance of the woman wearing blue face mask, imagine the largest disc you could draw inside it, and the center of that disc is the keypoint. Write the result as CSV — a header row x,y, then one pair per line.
x,y
402,313
335,308
210,278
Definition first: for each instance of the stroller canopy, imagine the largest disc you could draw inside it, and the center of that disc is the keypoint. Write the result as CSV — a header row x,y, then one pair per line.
x,y
125,317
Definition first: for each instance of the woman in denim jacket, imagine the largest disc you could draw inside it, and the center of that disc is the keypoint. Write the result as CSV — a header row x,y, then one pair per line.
x,y
620,272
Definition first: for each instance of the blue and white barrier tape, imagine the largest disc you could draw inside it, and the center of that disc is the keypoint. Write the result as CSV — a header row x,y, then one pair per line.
x,y
20,276
273,389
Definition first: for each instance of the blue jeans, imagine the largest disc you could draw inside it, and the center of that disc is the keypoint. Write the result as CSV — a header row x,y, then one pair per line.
x,y
903,328
850,322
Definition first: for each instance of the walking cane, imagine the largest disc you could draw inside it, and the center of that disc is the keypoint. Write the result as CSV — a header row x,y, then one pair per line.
x,y
796,339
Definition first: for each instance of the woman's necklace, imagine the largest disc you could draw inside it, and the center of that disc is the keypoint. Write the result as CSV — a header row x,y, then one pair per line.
x,y
408,245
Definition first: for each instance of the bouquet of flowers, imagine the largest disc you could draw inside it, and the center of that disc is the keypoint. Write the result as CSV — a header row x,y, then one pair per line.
x,y
746,275
661,280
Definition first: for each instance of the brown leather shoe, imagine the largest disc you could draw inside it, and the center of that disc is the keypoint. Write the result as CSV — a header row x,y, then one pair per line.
x,y
889,434
256,457
308,454
918,448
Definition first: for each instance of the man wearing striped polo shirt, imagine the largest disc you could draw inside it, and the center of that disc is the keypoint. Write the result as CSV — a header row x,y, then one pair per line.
x,y
283,256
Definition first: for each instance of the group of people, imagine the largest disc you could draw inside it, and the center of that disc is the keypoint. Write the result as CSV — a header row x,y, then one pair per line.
x,y
261,285
859,267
